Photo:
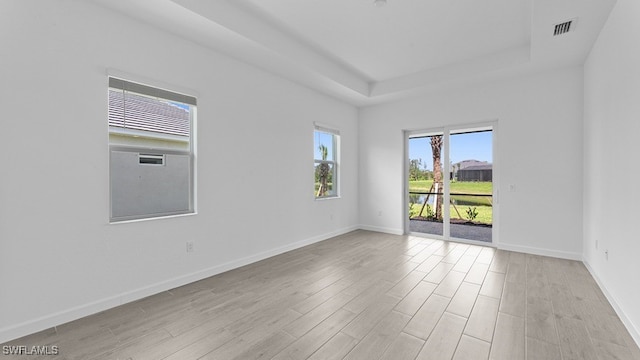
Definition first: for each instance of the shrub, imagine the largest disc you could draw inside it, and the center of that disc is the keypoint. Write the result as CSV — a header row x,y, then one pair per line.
x,y
413,212
430,213
472,213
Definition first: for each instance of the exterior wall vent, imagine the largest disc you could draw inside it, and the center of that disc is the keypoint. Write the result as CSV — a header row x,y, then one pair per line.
x,y
564,27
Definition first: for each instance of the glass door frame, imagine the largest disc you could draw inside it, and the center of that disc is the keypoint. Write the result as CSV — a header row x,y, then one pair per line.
x,y
446,169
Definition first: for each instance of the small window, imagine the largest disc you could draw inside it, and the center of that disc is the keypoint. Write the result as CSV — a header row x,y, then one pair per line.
x,y
326,162
151,151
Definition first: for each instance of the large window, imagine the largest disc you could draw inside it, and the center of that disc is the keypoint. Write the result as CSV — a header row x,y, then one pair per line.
x,y
151,151
326,143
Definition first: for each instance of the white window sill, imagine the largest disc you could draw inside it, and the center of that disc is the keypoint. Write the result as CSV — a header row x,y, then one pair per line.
x,y
327,198
151,218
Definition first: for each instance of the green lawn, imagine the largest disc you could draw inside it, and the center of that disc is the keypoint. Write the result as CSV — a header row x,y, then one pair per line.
x,y
470,187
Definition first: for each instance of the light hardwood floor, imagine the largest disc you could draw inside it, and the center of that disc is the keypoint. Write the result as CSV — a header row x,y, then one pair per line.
x,y
364,295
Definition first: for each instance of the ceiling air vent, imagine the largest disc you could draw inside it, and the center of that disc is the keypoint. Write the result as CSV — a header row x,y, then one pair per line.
x,y
564,27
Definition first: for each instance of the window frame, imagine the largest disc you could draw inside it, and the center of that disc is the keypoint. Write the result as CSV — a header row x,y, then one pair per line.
x,y
160,93
334,162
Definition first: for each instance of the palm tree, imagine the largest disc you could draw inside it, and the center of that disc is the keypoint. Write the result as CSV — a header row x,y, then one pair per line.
x,y
436,149
323,171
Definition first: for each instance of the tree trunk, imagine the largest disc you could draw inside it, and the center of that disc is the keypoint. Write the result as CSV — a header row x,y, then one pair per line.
x,y
324,175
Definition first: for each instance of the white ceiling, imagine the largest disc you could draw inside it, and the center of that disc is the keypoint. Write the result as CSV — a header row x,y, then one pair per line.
x,y
403,37
364,54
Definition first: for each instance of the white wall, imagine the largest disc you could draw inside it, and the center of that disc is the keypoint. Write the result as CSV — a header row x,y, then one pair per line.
x,y
59,257
539,151
611,191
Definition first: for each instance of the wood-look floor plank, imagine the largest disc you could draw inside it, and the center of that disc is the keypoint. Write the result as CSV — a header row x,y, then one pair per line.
x,y
314,317
321,296
537,285
477,273
516,272
482,321
427,317
445,248
430,263
500,262
380,337
416,249
513,299
574,339
269,316
474,250
517,258
535,263
465,263
370,295
540,350
439,272
584,289
606,350
403,347
493,285
404,286
250,337
310,342
398,271
540,322
208,343
143,347
369,317
450,284
464,299
414,300
444,339
509,338
336,348
268,346
81,342
563,301
600,323
454,255
472,348
486,255
555,271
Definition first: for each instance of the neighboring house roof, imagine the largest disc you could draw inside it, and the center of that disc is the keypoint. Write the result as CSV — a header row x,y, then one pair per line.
x,y
465,164
147,114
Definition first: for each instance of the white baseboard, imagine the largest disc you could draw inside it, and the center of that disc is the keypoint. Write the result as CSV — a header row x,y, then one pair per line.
x,y
45,322
633,330
385,230
540,251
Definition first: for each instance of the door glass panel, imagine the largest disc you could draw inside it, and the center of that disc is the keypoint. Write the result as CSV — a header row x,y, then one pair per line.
x,y
426,184
471,184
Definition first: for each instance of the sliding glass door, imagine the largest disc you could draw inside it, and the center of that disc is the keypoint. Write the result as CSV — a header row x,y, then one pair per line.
x,y
450,182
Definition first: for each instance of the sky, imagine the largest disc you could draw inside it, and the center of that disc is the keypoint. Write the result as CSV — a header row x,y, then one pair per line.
x,y
468,146
326,139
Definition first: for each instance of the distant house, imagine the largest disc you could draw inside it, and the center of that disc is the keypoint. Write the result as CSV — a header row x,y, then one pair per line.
x,y
473,170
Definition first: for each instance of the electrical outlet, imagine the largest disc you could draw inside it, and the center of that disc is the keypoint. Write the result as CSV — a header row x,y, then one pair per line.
x,y
190,246
606,254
